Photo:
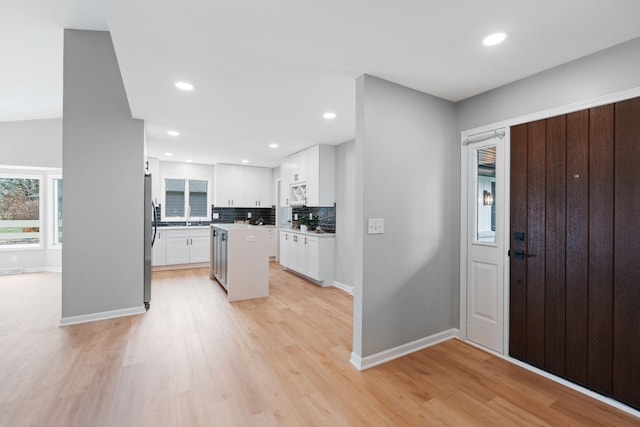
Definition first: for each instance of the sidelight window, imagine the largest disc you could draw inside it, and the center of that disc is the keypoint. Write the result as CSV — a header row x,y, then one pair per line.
x,y
486,191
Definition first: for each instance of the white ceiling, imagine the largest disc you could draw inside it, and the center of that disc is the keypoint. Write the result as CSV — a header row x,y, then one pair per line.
x,y
265,71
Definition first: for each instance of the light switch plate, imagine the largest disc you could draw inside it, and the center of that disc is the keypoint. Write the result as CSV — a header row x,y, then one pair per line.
x,y
375,226
248,214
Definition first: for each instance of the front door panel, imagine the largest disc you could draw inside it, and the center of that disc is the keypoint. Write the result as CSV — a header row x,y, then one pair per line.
x,y
575,245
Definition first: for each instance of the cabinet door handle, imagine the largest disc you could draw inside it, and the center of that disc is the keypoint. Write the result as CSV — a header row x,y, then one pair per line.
x,y
191,242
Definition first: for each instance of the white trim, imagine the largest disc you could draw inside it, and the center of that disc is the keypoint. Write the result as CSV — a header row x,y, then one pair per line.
x,y
348,289
85,318
53,270
362,363
573,386
179,266
11,270
35,270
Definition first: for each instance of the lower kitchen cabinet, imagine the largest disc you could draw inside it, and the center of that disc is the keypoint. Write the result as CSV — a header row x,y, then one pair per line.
x,y
159,249
181,246
273,242
308,254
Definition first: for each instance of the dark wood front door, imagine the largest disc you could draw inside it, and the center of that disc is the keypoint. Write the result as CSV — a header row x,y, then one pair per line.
x,y
575,247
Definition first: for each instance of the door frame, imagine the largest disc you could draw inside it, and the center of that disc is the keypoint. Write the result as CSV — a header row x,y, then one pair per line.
x,y
464,232
464,226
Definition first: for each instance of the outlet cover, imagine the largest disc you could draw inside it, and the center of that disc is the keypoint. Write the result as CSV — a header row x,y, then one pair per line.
x,y
375,226
248,214
216,215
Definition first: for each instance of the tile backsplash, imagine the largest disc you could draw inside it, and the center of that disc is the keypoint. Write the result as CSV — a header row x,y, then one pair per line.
x,y
229,215
324,217
226,216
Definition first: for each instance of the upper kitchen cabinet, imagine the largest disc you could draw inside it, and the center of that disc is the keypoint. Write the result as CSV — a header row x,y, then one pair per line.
x,y
299,167
308,177
242,186
257,183
321,175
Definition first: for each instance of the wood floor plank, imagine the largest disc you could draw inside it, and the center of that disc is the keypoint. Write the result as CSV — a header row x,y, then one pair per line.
x,y
196,360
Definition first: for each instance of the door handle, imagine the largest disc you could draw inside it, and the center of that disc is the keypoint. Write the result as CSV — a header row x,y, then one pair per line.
x,y
519,254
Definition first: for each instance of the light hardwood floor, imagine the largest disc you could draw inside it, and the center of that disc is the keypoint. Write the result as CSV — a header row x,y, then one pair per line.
x,y
196,360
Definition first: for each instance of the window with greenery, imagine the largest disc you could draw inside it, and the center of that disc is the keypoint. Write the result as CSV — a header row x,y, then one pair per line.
x,y
186,199
19,211
57,211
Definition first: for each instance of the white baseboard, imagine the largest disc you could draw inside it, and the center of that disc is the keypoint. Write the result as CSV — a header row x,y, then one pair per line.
x,y
362,363
85,318
54,269
179,266
348,289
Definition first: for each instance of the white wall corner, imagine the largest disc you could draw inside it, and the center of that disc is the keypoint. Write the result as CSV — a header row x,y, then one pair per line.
x,y
93,317
402,350
348,289
356,361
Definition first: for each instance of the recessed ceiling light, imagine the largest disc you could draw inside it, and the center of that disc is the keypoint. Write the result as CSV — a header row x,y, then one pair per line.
x,y
173,132
189,160
168,154
494,39
273,145
329,115
184,86
245,161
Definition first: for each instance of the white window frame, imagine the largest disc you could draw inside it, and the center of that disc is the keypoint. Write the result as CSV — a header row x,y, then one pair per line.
x,y
29,246
52,214
186,179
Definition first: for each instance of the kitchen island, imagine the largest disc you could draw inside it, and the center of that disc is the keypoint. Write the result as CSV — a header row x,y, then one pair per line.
x,y
239,260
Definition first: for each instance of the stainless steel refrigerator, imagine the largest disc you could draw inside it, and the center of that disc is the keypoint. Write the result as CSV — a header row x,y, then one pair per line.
x,y
150,229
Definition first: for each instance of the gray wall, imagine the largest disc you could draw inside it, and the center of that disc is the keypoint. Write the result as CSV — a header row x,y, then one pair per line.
x,y
345,212
32,143
102,260
406,172
603,73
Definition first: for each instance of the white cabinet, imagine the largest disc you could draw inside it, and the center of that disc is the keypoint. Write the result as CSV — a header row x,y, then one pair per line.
x,y
177,247
273,242
263,184
309,255
285,248
242,186
285,180
159,249
311,266
299,167
184,246
321,175
229,186
308,177
198,246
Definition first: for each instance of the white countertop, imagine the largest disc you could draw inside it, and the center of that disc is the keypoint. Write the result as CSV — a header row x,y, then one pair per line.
x,y
240,226
183,227
307,233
